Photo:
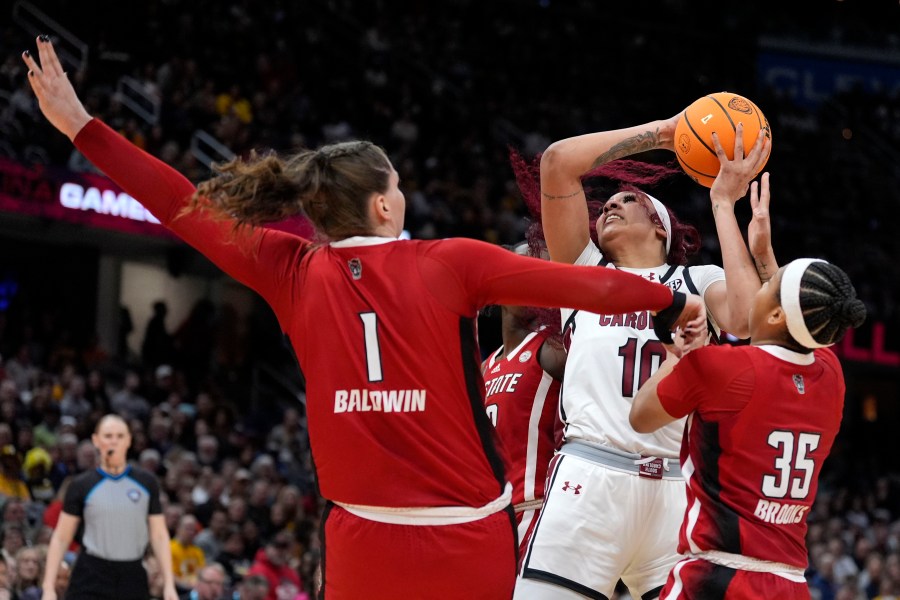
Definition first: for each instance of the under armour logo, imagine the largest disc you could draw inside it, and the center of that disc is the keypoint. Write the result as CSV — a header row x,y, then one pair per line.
x,y
798,383
355,268
651,276
568,486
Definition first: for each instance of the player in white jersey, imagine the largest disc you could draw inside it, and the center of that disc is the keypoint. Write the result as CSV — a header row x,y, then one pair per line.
x,y
615,498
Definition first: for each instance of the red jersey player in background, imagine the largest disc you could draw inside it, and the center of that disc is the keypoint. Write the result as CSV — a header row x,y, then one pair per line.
x,y
761,421
384,330
522,381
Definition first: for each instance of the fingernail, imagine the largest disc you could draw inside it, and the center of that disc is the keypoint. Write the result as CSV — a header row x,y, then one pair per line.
x,y
44,37
26,53
31,73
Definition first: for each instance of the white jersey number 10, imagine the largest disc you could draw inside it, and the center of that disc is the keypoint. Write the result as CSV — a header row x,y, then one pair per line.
x,y
639,363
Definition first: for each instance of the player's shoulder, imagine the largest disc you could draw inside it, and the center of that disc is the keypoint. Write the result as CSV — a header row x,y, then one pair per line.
x,y
718,356
703,275
828,358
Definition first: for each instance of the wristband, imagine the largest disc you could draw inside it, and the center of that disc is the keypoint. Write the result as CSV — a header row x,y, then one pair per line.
x,y
666,318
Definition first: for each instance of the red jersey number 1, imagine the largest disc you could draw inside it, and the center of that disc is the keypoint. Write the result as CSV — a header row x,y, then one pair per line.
x,y
373,352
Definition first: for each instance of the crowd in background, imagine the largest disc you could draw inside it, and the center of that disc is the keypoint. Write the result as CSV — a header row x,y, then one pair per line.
x,y
237,487
285,74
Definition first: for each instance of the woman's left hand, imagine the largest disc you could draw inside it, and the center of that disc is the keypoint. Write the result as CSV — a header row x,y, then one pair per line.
x,y
736,174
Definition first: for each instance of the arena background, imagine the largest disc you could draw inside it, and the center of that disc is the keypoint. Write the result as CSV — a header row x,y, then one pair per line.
x,y
447,88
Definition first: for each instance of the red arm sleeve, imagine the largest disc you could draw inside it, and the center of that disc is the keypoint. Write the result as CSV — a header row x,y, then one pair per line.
x,y
164,192
710,379
468,274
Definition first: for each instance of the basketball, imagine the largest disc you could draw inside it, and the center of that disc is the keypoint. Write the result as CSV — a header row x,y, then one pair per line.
x,y
720,113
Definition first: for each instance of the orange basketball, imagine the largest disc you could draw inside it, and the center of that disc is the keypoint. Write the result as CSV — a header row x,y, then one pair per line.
x,y
720,112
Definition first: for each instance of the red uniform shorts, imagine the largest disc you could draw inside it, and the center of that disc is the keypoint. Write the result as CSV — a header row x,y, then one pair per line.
x,y
698,579
373,560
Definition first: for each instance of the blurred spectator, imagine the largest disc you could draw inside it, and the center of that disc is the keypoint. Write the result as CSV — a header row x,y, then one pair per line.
x,y
29,573
48,422
11,483
21,370
66,463
75,403
210,585
272,562
150,460
86,456
13,540
37,467
255,587
212,539
128,402
5,588
187,557
233,557
208,452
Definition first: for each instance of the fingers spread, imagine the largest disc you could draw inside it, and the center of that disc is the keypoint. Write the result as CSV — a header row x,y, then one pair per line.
x,y
739,141
49,60
764,196
720,151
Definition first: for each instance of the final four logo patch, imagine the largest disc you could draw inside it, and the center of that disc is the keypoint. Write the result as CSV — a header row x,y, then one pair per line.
x,y
134,495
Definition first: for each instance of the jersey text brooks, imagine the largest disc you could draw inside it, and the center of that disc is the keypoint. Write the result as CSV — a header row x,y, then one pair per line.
x,y
379,401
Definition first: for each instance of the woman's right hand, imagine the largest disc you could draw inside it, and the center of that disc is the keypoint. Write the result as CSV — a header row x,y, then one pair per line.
x,y
56,96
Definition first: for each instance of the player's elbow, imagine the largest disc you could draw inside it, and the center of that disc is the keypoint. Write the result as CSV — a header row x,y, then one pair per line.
x,y
738,327
638,420
554,159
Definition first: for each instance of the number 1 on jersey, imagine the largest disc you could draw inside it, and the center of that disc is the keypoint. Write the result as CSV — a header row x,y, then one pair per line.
x,y
373,352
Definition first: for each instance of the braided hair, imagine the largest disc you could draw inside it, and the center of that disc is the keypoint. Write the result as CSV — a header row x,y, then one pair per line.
x,y
828,303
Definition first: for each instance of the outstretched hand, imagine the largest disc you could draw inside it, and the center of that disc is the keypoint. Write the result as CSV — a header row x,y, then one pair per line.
x,y
56,96
759,231
736,174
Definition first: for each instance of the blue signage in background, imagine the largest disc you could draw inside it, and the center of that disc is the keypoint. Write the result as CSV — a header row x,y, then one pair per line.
x,y
809,80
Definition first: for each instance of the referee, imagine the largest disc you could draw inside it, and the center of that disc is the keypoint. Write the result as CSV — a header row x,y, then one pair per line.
x,y
120,508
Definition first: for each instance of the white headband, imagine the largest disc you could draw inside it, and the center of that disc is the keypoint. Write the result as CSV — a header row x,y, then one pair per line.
x,y
790,302
664,217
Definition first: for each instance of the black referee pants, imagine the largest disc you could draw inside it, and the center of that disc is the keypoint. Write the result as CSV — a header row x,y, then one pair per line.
x,y
99,579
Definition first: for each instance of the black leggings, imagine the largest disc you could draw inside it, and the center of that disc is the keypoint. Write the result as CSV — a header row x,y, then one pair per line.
x,y
99,579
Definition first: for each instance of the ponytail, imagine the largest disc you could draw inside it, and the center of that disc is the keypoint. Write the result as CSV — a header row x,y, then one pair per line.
x,y
330,185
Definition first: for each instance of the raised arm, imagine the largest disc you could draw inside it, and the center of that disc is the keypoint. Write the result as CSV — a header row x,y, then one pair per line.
x,y
467,274
564,212
160,188
759,231
730,301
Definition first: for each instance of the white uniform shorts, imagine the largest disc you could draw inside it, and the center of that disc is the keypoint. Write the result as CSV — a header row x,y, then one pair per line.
x,y
598,525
